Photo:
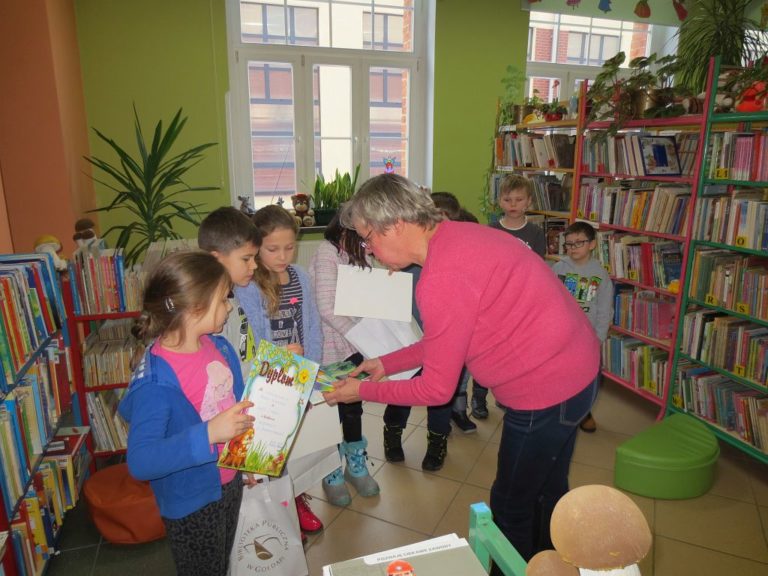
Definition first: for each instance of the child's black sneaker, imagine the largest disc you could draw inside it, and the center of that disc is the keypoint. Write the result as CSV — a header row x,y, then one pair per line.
x,y
463,422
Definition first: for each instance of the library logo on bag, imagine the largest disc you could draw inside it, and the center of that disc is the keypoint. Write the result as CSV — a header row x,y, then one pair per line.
x,y
263,546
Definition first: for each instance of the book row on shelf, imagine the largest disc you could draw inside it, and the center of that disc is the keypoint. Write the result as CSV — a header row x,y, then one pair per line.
x,y
733,344
30,311
553,228
640,154
716,398
644,312
650,261
101,283
550,192
731,280
107,353
738,220
638,363
110,432
741,155
640,205
527,149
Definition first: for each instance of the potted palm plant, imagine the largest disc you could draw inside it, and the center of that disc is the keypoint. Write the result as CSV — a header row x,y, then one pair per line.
x,y
717,27
329,195
148,186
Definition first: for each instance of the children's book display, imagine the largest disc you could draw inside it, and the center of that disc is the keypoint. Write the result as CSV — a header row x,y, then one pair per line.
x,y
279,385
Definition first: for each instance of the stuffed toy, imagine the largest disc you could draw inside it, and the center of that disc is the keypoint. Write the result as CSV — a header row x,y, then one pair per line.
x,y
48,244
85,232
752,99
596,530
301,211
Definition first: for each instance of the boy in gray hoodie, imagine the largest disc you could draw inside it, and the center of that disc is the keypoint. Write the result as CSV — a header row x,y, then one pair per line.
x,y
587,280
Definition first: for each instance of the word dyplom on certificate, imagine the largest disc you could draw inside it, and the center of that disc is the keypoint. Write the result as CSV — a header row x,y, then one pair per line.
x,y
279,385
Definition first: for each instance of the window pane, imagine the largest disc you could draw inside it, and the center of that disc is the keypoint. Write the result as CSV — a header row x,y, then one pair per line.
x,y
389,130
332,94
273,151
354,24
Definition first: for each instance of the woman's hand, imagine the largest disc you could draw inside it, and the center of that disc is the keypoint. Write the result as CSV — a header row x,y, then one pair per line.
x,y
230,423
296,348
373,367
344,392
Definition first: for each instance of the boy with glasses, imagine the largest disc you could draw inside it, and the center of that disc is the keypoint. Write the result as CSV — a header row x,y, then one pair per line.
x,y
587,281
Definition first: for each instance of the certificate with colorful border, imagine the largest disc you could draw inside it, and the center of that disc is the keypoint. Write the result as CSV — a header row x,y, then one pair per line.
x,y
279,385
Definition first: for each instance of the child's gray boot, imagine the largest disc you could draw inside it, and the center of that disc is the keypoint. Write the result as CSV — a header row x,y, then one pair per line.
x,y
356,471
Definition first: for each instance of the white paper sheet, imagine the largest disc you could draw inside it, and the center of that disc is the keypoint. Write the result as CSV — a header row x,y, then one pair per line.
x,y
374,337
373,293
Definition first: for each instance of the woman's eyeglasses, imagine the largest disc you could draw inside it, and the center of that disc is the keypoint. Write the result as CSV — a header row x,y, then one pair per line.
x,y
576,244
366,242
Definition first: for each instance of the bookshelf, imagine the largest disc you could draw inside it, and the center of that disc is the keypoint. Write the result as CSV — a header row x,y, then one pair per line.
x,y
99,389
719,366
642,208
103,297
546,153
35,398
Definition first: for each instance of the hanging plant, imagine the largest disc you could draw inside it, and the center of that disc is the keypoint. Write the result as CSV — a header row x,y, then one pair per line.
x,y
642,10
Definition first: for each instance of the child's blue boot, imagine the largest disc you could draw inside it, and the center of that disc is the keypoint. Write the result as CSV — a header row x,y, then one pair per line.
x,y
356,471
335,489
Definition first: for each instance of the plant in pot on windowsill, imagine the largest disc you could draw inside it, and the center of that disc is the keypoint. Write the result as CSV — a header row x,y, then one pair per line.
x,y
149,186
328,196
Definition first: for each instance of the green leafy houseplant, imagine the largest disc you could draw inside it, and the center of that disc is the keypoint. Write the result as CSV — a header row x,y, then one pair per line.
x,y
513,83
716,27
149,186
329,195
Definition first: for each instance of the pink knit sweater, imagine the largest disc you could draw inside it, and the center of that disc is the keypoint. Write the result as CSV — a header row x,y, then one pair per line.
x,y
488,301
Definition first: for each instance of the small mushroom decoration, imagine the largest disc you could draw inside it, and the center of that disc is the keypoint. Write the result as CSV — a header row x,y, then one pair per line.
x,y
549,563
599,531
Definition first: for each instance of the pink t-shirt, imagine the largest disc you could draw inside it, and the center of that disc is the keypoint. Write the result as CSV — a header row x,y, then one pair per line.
x,y
489,302
206,381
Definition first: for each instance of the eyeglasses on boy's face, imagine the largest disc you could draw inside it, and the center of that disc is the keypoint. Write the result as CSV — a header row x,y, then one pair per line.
x,y
575,244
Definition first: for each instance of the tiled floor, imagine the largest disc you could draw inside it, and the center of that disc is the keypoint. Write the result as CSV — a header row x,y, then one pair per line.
x,y
723,533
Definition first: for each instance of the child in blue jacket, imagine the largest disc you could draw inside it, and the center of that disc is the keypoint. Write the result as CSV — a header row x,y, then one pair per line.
x,y
181,406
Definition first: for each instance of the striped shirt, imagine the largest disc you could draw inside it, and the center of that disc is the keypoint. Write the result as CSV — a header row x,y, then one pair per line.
x,y
286,325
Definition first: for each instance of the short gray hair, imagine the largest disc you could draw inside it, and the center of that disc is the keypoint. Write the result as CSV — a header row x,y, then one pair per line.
x,y
389,198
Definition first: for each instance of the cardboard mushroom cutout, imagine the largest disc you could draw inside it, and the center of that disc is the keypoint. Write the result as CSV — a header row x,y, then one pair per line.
x,y
601,531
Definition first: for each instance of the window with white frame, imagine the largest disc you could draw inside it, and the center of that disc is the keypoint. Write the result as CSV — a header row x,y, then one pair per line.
x,y
321,85
564,49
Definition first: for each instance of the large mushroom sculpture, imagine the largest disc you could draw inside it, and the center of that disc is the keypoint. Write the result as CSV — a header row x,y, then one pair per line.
x,y
596,531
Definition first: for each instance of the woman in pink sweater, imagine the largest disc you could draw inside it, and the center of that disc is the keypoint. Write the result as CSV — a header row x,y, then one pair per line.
x,y
488,302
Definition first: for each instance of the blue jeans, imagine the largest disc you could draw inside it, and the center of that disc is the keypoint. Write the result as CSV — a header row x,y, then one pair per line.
x,y
532,474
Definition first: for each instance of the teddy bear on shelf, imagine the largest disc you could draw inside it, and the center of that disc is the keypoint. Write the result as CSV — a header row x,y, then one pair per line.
x,y
301,211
